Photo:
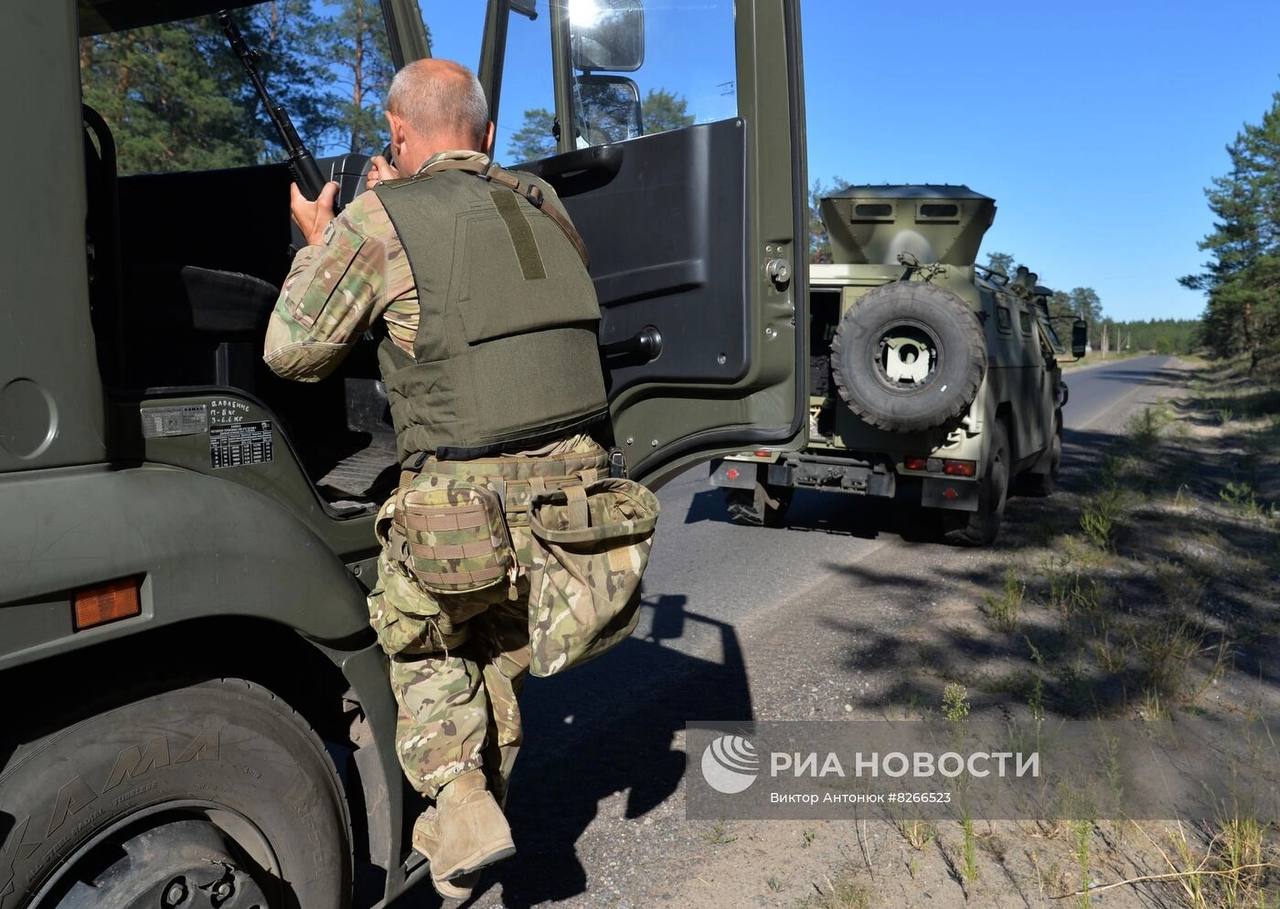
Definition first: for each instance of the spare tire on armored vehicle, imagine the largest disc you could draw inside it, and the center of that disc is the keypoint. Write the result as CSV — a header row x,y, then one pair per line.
x,y
909,357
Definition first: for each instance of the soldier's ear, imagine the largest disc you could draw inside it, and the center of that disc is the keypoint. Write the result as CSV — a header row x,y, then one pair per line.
x,y
489,134
396,127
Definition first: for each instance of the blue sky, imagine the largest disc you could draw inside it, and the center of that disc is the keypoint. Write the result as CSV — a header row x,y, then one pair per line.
x,y
1095,126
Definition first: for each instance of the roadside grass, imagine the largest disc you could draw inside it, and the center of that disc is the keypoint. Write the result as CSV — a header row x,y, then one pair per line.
x,y
1137,596
1169,571
1138,588
1003,610
1147,588
844,891
718,835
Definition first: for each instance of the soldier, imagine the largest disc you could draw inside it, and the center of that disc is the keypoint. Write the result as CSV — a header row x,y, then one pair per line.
x,y
492,373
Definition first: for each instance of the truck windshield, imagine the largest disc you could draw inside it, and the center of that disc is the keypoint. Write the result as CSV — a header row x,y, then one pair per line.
x,y
176,97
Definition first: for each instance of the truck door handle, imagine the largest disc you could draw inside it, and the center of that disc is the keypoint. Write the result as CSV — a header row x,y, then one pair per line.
x,y
582,170
644,346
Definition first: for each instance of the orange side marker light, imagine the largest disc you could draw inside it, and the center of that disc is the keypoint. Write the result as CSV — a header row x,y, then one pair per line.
x,y
109,601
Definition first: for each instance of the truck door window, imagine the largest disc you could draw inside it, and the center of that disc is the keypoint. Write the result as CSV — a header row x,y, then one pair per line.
x,y
687,74
526,127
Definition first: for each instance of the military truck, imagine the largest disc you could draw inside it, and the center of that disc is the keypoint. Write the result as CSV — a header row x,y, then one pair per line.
x,y
198,713
932,381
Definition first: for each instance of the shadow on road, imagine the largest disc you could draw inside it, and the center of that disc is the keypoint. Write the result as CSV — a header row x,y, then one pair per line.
x,y
605,728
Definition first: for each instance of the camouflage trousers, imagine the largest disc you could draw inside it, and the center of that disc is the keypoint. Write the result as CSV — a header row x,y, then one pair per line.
x,y
458,661
458,703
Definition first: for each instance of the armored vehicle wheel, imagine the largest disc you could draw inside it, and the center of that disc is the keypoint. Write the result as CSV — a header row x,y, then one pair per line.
x,y
1044,484
765,506
213,795
981,527
908,357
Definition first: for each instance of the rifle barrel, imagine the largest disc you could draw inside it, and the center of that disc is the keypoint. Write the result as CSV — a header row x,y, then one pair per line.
x,y
303,164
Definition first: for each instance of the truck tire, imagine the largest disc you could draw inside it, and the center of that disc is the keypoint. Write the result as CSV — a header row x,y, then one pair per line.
x,y
908,357
213,794
764,506
981,527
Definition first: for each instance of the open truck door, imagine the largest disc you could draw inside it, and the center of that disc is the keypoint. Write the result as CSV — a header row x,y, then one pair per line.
x,y
674,133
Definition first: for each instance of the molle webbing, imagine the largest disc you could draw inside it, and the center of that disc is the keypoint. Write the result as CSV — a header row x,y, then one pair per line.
x,y
520,477
530,191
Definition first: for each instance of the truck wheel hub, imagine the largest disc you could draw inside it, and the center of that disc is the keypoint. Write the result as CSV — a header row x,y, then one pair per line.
x,y
907,356
186,864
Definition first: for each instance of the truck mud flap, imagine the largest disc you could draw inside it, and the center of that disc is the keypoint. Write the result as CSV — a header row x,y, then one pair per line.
x,y
733,474
950,493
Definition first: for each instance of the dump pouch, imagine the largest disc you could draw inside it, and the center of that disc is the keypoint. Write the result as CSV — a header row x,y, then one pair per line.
x,y
455,536
591,546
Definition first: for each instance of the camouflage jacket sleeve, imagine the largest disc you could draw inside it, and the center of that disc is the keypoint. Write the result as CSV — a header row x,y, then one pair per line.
x,y
331,295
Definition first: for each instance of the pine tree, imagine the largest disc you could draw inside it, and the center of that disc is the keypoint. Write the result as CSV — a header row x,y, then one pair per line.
x,y
534,139
356,42
662,110
171,99
1086,304
1001,262
1242,276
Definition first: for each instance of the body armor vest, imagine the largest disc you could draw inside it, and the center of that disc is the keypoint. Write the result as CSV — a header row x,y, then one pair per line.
x,y
506,355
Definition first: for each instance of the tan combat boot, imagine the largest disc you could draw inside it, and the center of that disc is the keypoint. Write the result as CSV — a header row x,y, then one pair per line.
x,y
425,841
467,832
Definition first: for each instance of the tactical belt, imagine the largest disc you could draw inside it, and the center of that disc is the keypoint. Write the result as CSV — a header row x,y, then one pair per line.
x,y
553,433
530,192
517,477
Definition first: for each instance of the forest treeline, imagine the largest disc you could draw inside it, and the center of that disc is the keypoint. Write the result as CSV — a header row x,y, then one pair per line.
x,y
176,97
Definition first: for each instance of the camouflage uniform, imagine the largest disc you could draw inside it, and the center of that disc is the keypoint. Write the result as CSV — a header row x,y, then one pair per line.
x,y
465,655
457,662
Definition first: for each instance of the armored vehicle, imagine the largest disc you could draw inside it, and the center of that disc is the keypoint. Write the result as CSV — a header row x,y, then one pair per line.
x,y
198,713
932,381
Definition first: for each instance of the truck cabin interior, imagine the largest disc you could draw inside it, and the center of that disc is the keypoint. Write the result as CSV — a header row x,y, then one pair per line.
x,y
184,271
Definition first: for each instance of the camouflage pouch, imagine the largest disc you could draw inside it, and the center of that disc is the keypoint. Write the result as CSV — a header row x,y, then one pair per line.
x,y
591,546
399,611
456,537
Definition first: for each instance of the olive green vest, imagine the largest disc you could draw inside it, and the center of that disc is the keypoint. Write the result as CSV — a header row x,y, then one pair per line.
x,y
506,355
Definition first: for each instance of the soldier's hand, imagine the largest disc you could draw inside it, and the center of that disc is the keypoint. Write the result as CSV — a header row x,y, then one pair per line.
x,y
313,217
380,170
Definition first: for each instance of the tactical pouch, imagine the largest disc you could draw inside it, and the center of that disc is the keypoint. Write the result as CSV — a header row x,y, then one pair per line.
x,y
591,546
399,611
456,539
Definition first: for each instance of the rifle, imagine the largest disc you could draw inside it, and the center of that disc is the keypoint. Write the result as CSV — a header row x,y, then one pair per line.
x,y
305,170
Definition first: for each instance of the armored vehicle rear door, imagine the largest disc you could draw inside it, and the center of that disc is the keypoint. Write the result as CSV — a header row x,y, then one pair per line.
x,y
674,133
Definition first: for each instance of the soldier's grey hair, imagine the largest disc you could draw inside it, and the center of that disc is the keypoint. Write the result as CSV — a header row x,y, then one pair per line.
x,y
435,95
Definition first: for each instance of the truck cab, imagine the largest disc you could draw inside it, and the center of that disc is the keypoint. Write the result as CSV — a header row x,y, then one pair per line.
x,y
188,539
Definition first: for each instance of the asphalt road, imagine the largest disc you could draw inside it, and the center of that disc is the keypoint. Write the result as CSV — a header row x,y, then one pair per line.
x,y
723,571
596,806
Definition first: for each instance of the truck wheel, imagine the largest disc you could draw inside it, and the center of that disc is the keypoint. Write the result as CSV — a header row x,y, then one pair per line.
x,y
1042,485
908,357
981,527
764,506
213,795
